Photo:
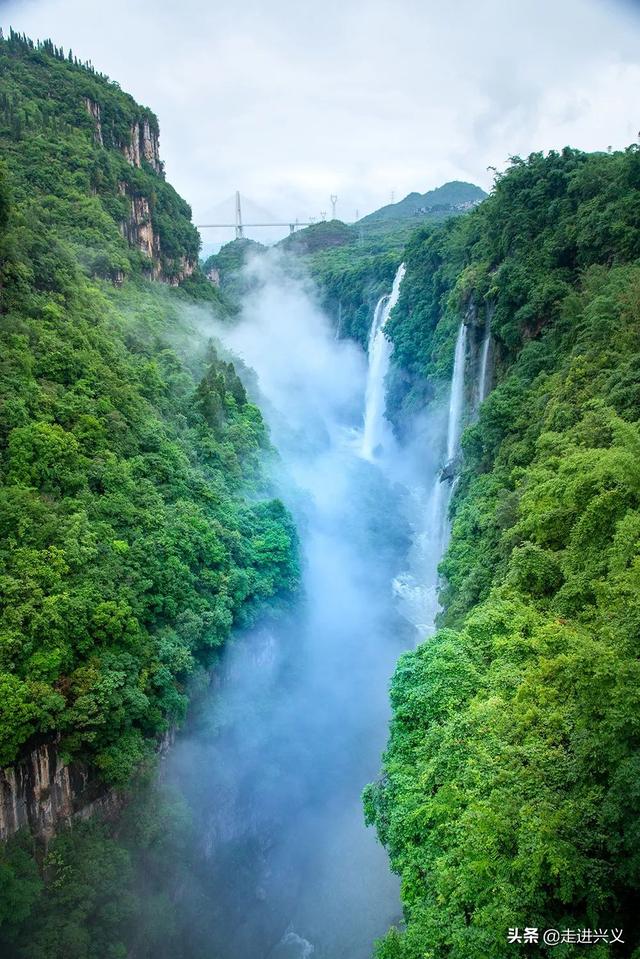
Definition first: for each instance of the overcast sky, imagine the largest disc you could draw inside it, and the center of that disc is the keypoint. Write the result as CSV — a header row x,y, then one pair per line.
x,y
291,100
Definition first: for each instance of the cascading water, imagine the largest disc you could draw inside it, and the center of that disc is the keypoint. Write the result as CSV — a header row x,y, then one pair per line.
x,y
485,352
456,398
418,587
281,865
454,430
376,434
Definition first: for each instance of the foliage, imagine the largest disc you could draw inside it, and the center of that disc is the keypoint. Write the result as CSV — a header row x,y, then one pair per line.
x,y
136,528
92,893
350,285
227,265
353,265
70,172
510,789
318,236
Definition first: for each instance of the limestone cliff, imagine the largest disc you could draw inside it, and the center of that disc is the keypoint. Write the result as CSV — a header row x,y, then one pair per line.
x,y
144,192
143,145
73,135
93,109
138,231
42,791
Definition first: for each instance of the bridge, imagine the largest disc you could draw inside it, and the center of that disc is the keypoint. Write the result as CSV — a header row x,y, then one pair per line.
x,y
239,225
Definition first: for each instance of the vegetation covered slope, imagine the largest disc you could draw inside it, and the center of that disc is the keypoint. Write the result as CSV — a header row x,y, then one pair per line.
x,y
128,543
84,157
510,793
353,266
450,197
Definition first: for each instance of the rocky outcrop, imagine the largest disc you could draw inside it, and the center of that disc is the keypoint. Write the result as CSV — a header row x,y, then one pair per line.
x,y
93,109
213,274
185,268
42,791
143,145
138,230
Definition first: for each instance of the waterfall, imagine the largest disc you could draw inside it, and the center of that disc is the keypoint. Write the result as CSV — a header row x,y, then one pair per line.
x,y
417,588
376,430
484,365
441,497
456,398
483,380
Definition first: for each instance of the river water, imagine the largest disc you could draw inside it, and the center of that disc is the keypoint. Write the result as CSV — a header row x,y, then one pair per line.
x,y
273,769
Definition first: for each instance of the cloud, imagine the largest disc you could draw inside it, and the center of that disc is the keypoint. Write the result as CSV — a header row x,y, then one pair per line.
x,y
292,101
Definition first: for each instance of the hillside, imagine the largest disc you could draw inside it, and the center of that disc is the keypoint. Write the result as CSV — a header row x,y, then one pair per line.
x,y
353,265
450,198
508,797
127,549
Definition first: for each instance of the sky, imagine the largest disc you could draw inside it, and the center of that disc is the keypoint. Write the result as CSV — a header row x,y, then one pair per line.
x,y
290,101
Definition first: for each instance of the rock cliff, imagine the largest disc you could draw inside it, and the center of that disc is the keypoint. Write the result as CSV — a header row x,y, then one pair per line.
x,y
42,791
143,145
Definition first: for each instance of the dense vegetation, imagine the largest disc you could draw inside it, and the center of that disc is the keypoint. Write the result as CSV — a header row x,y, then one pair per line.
x,y
351,265
510,791
136,527
128,546
70,167
100,890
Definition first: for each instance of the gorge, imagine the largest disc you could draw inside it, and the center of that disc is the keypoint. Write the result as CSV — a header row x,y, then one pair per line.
x,y
275,770
233,512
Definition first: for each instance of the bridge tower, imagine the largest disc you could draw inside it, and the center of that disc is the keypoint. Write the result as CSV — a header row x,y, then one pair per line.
x,y
239,227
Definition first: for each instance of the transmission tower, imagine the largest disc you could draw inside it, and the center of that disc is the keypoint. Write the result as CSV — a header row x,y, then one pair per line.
x,y
239,227
334,200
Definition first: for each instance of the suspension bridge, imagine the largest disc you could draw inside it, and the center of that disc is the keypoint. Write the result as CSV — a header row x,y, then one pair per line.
x,y
239,224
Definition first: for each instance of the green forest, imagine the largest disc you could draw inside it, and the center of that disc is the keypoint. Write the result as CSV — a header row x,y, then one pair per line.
x,y
510,788
137,525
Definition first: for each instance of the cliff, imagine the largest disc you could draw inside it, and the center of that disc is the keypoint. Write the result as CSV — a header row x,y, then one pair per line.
x,y
42,791
103,164
133,509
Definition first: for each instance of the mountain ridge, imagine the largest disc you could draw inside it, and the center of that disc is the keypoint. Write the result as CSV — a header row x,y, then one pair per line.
x,y
453,196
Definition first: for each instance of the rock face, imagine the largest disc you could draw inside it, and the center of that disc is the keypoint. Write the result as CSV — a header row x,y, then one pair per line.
x,y
213,274
138,227
138,230
143,145
93,109
41,791
186,268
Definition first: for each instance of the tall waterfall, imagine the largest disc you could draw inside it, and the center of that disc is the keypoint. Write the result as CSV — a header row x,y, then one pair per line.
x,y
483,379
376,431
417,588
456,398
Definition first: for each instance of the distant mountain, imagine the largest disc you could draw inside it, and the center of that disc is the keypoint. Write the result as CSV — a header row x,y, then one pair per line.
x,y
453,197
386,230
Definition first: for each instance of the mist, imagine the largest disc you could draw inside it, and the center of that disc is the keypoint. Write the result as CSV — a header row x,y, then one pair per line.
x,y
273,768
